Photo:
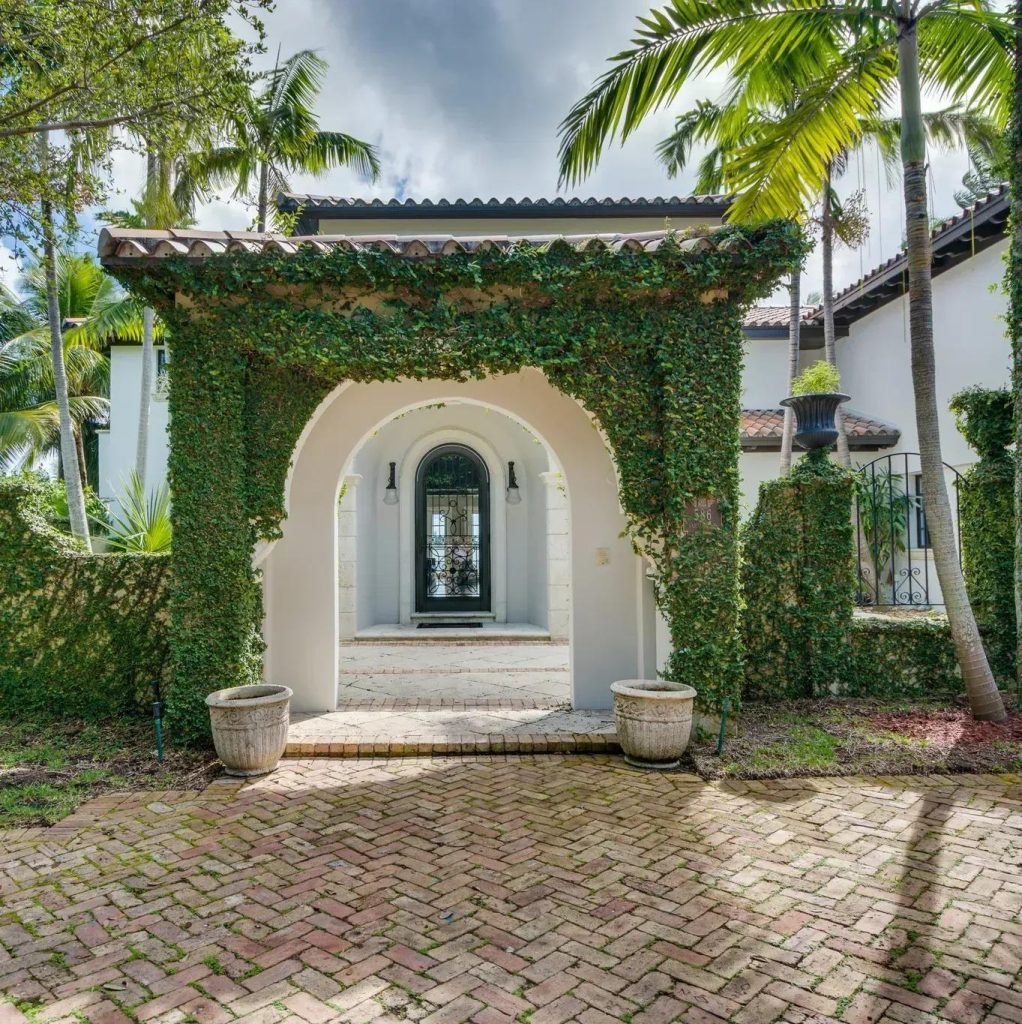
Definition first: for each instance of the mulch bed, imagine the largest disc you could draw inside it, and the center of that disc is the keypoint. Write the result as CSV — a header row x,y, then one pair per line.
x,y
858,737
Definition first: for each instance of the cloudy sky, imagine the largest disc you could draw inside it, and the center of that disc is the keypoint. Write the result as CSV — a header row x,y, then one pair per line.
x,y
463,98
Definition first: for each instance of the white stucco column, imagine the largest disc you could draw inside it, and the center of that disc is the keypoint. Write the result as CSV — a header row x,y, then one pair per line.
x,y
558,550
347,557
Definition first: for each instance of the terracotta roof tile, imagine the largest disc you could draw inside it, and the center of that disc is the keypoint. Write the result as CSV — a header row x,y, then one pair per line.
x,y
141,243
761,429
293,200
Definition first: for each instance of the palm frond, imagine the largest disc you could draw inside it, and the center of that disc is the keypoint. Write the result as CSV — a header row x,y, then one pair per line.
x,y
325,150
780,174
144,522
686,38
296,83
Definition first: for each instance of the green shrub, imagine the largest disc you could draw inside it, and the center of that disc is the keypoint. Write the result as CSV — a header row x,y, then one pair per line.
x,y
987,515
80,635
820,378
798,581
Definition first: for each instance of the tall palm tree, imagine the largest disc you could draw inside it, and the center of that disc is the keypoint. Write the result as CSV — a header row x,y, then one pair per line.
x,y
277,134
1014,288
889,51
92,302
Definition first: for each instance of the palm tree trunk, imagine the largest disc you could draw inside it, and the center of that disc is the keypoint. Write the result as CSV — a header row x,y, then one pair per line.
x,y
830,349
68,449
794,341
264,188
984,697
146,388
1014,288
83,469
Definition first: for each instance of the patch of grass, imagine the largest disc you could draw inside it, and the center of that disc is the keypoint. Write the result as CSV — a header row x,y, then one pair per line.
x,y
49,767
806,747
213,963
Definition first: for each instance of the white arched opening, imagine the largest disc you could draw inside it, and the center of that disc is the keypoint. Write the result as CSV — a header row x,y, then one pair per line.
x,y
610,630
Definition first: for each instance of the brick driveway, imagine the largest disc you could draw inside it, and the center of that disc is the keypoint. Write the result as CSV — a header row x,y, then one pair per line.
x,y
536,890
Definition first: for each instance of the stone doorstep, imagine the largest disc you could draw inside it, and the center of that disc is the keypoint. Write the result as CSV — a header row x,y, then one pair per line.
x,y
459,746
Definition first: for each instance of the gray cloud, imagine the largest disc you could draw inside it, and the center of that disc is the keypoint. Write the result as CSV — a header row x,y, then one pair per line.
x,y
464,97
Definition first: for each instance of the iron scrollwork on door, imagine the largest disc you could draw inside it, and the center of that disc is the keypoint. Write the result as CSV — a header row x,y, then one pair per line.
x,y
452,531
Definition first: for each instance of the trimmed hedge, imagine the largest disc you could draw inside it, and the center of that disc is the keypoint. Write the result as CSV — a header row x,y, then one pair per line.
x,y
893,657
80,635
798,580
987,508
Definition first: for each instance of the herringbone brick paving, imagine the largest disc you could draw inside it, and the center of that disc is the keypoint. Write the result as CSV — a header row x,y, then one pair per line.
x,y
540,890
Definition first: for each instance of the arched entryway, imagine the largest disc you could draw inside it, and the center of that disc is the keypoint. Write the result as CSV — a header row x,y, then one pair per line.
x,y
612,622
452,532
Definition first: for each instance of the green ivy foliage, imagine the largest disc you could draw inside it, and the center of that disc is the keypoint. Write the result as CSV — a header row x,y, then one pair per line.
x,y
798,581
986,508
911,658
80,635
649,343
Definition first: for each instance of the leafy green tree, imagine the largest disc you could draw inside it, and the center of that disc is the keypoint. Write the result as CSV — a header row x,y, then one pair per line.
x,y
859,56
91,301
275,133
74,70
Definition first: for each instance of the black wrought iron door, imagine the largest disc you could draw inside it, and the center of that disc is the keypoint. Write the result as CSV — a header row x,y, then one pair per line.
x,y
452,531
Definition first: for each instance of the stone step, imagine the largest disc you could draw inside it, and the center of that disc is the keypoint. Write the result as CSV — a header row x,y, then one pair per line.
x,y
403,728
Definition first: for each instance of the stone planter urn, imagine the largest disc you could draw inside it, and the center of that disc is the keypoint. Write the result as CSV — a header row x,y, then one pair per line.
x,y
654,720
250,727
814,418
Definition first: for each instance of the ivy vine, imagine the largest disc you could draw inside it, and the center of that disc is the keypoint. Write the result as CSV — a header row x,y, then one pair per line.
x,y
649,343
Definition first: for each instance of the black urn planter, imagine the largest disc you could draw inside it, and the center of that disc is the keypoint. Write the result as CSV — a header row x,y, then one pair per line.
x,y
814,418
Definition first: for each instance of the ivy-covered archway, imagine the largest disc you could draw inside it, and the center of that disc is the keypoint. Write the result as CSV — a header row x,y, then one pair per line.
x,y
645,332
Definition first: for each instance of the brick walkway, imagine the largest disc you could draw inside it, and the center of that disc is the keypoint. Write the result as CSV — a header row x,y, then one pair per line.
x,y
536,890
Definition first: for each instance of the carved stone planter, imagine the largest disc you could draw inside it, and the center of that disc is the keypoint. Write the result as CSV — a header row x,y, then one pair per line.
x,y
654,720
250,727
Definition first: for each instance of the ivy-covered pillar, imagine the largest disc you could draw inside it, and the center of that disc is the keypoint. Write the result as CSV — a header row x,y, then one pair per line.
x,y
700,359
215,602
798,579
985,417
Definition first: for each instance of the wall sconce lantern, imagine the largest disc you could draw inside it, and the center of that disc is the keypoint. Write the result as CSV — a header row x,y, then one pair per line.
x,y
514,496
390,494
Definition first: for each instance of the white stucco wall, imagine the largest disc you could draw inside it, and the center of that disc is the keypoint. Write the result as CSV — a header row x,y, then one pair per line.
x,y
496,226
117,446
518,532
969,342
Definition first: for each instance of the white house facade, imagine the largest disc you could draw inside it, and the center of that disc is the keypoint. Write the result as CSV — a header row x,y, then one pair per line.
x,y
450,505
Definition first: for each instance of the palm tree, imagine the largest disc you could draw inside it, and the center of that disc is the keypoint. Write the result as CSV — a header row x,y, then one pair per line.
x,y
92,302
277,134
168,200
886,50
1013,284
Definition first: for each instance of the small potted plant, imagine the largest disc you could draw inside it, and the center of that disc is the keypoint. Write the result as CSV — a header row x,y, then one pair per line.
x,y
250,727
814,401
653,719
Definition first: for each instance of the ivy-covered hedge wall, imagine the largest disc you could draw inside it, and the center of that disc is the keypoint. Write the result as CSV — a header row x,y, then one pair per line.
x,y
80,635
986,504
911,658
649,343
798,580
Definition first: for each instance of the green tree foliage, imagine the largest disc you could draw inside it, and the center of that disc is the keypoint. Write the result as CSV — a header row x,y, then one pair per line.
x,y
844,62
92,301
275,133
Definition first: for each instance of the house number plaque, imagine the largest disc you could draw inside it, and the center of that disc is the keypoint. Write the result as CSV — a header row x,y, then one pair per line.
x,y
701,513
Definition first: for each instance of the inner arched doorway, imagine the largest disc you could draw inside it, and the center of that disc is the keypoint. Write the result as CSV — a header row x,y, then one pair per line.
x,y
452,531
612,635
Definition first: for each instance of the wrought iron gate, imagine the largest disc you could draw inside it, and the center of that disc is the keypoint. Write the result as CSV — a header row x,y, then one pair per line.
x,y
452,531
892,542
